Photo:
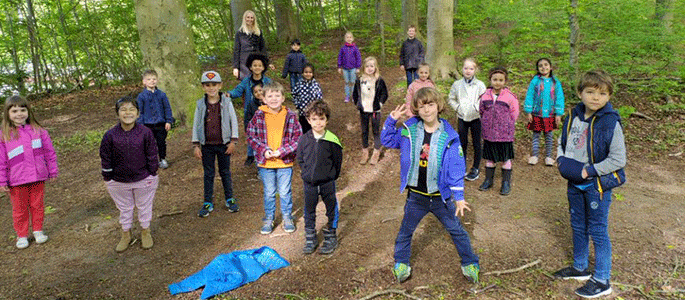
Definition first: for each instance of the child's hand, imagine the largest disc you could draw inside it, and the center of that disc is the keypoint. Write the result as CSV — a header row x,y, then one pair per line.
x,y
529,118
5,189
399,111
461,206
167,126
230,148
268,154
340,70
558,120
356,71
197,152
402,67
276,153
236,73
584,174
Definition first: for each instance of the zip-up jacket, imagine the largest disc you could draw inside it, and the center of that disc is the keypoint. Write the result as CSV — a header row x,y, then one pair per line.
x,y
229,121
256,136
465,98
379,98
294,63
243,46
244,89
544,98
30,157
154,107
320,160
498,117
349,57
411,53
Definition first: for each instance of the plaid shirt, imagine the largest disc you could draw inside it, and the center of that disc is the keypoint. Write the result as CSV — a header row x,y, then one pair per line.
x,y
256,136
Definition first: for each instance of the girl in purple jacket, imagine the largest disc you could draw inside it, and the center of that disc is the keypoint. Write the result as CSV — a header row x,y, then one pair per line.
x,y
349,62
27,160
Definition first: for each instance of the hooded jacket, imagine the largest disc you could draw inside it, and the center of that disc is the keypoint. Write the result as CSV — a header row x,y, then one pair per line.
x,y
30,157
379,98
349,57
229,121
294,63
320,160
544,98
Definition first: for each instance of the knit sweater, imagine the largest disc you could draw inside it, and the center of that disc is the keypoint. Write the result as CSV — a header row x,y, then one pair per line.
x,y
128,156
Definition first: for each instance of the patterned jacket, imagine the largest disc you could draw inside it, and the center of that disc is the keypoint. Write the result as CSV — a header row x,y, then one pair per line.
x,y
498,117
544,98
305,92
256,136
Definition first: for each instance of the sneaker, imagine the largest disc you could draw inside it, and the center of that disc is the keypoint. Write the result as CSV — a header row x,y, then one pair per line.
x,y
472,175
249,161
207,207
572,273
288,224
471,272
401,271
22,243
40,237
594,289
232,205
267,226
163,164
347,99
533,160
549,161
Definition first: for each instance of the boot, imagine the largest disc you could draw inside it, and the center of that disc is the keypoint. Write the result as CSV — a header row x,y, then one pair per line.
x,y
506,182
487,183
330,241
374,156
365,156
311,242
124,241
146,238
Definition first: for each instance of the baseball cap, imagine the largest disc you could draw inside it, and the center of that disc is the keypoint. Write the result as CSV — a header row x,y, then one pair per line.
x,y
210,76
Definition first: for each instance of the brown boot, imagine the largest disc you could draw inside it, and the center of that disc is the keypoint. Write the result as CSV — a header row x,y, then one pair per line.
x,y
124,241
374,156
146,238
365,156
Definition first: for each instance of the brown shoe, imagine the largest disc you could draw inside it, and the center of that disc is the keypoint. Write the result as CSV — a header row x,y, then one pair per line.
x,y
146,238
374,157
365,156
124,241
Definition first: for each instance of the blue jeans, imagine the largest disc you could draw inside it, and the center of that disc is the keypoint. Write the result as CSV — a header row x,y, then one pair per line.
x,y
589,218
411,76
294,79
209,152
415,209
276,180
350,75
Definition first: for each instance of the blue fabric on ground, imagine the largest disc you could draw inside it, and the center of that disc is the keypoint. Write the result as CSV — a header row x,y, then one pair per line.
x,y
229,271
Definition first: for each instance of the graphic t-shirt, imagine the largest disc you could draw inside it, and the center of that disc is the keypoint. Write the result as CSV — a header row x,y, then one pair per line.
x,y
421,185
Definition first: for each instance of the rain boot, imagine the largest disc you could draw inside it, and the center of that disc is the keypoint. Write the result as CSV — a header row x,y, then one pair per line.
x,y
506,182
124,241
330,241
311,242
487,183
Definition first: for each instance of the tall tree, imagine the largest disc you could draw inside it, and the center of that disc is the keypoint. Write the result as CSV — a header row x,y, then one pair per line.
x,y
440,44
287,27
573,35
168,47
238,7
410,16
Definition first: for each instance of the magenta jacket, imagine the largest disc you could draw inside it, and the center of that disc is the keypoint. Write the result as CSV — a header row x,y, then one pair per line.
x,y
498,117
28,158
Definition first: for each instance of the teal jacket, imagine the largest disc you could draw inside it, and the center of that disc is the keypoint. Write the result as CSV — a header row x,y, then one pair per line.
x,y
544,98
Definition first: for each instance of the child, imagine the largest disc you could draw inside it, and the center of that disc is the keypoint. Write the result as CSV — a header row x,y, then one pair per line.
x,y
215,133
294,63
257,64
411,55
155,113
434,179
349,62
591,155
369,95
464,98
305,92
423,81
27,160
273,133
319,154
129,167
499,109
544,106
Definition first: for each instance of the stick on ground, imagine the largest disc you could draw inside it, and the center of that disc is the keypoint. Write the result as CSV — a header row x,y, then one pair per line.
x,y
528,265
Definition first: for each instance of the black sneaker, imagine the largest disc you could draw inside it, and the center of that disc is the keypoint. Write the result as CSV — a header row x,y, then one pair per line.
x,y
594,289
572,273
249,161
207,207
472,175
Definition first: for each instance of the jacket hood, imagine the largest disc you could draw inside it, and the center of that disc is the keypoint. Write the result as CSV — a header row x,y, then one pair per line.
x,y
350,44
266,110
451,133
293,51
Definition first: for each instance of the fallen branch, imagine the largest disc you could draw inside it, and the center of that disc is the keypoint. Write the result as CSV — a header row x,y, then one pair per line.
x,y
641,115
178,212
528,265
386,220
292,295
475,292
385,292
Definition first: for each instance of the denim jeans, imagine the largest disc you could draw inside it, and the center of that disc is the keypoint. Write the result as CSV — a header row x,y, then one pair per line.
x,y
589,218
294,79
350,75
411,76
209,152
415,209
276,180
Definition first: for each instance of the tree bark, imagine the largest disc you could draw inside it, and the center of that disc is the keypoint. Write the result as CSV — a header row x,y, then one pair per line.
x,y
70,47
167,46
238,7
287,28
573,35
410,16
440,44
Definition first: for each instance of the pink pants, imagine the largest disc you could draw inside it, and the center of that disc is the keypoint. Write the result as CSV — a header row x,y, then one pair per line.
x,y
129,195
27,199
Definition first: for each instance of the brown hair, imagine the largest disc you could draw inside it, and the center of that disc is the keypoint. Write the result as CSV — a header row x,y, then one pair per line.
x,y
425,96
273,87
596,79
150,72
500,70
317,108
9,130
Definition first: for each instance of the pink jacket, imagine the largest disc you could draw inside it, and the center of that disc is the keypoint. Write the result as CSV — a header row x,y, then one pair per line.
x,y
28,158
413,88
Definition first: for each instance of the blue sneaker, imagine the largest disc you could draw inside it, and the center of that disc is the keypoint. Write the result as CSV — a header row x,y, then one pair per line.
x,y
401,271
288,224
471,272
207,207
232,205
594,289
267,226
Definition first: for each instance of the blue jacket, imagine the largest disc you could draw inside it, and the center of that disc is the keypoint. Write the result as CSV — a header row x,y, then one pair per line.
x,y
544,98
244,89
452,168
294,63
154,107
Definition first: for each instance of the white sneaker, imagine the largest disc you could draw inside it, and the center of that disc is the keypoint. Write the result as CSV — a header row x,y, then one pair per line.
x,y
40,237
163,164
22,242
533,160
549,161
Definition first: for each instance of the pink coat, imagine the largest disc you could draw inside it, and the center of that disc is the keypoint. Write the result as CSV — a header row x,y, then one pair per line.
x,y
28,158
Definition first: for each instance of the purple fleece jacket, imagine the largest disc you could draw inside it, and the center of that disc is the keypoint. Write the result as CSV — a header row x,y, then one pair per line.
x,y
349,57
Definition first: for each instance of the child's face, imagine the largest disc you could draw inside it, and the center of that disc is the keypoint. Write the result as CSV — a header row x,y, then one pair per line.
x,y
349,39
318,123
257,67
411,32
544,68
128,114
150,82
424,73
594,98
307,73
469,69
497,81
18,115
273,100
295,47
370,68
428,112
258,93
211,88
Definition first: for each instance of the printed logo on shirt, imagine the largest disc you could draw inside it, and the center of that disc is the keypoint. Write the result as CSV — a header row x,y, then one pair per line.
x,y
423,158
578,138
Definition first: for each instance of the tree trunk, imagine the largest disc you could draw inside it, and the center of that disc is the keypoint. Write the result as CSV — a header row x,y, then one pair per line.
x,y
238,7
287,28
70,47
322,15
573,35
380,16
410,16
167,45
33,42
19,74
440,44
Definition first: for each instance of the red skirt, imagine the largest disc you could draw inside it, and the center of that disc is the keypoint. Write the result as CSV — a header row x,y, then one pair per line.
x,y
542,124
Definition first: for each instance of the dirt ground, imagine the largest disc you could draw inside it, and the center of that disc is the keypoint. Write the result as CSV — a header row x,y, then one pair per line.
x,y
79,261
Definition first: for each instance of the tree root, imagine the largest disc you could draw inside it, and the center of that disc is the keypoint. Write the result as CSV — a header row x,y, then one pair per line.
x,y
385,292
528,265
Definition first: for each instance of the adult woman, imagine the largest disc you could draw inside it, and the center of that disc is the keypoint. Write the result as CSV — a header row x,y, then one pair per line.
x,y
248,40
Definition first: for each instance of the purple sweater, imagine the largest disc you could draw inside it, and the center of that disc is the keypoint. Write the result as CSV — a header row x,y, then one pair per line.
x,y
349,57
128,156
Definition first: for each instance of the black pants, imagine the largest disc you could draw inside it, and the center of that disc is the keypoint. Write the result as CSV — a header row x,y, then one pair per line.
x,y
305,124
208,154
160,137
475,139
311,198
375,118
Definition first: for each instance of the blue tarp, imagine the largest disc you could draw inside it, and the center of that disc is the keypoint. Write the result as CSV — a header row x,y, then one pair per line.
x,y
229,271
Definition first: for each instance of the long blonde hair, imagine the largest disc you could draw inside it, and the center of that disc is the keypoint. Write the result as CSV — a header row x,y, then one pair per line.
x,y
255,28
9,130
377,73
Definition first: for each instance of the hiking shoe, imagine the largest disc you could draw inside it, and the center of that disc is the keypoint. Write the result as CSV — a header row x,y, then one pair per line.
x,y
401,271
232,205
267,226
347,99
594,289
572,273
40,237
288,224
471,272
533,160
472,175
207,207
249,161
22,243
163,164
330,241
549,161
310,242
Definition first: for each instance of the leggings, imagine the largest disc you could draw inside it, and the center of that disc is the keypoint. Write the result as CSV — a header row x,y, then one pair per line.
x,y
375,118
549,143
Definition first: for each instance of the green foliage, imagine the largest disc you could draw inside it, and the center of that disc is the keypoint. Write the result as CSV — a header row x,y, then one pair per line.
x,y
79,141
625,111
